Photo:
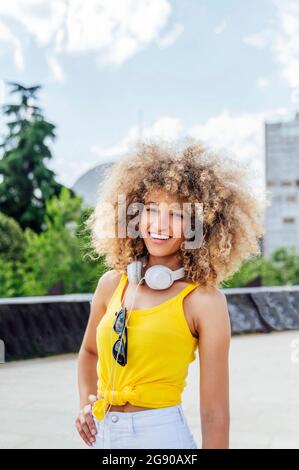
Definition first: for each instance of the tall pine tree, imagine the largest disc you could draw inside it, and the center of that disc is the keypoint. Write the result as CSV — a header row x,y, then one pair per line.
x,y
25,181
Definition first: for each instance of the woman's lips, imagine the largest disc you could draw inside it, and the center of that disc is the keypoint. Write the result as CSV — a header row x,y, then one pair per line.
x,y
158,241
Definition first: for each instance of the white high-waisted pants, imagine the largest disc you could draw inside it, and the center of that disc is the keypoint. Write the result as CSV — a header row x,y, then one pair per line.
x,y
159,428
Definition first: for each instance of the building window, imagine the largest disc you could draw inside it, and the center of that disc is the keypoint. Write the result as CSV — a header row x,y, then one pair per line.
x,y
292,198
288,220
286,183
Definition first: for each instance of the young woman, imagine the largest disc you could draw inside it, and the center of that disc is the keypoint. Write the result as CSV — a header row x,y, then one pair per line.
x,y
137,403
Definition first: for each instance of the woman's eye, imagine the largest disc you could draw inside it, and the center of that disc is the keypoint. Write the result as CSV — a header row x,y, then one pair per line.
x,y
152,209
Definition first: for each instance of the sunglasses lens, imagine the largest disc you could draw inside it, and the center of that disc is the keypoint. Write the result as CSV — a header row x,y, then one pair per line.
x,y
119,321
119,352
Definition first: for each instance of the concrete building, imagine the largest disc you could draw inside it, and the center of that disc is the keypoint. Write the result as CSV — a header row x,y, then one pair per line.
x,y
88,184
282,180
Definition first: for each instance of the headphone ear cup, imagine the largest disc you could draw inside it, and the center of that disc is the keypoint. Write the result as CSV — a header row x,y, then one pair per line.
x,y
134,272
159,277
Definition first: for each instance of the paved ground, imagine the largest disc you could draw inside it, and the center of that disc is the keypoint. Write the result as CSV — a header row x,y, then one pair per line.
x,y
39,398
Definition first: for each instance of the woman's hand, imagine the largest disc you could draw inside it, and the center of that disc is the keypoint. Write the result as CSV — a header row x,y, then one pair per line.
x,y
85,422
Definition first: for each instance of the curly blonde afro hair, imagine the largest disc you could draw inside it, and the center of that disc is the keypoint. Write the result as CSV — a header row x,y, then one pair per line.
x,y
232,216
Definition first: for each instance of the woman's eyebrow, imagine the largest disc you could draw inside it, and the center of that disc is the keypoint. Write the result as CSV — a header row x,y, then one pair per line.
x,y
175,209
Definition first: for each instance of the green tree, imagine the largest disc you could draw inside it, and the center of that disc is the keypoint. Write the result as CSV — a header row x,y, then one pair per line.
x,y
12,249
12,240
25,181
282,268
12,277
250,269
57,254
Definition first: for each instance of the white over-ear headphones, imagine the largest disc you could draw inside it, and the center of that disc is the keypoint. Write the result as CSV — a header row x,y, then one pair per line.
x,y
156,277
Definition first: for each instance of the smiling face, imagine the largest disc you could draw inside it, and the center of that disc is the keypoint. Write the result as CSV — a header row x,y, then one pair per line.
x,y
162,224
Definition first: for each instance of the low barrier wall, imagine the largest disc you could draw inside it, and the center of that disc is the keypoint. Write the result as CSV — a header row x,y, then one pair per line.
x,y
40,326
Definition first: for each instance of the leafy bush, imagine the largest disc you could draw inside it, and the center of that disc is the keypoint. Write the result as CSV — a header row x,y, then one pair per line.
x,y
281,268
55,255
12,239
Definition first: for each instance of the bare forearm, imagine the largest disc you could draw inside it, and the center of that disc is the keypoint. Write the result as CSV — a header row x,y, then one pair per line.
x,y
87,375
215,434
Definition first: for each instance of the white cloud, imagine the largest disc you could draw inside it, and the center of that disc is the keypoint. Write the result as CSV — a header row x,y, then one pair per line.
x,y
68,171
37,18
240,137
171,37
2,92
2,102
287,41
57,71
7,37
282,37
115,30
220,27
262,83
165,128
258,40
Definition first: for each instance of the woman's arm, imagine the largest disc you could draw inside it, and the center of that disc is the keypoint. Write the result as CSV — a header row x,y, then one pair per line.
x,y
88,356
214,329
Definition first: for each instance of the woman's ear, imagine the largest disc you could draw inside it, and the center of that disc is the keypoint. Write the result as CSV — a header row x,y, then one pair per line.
x,y
189,234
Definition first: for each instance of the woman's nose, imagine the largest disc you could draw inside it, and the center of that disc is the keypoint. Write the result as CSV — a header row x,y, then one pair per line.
x,y
161,223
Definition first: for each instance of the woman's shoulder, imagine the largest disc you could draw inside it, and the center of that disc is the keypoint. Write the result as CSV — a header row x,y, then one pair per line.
x,y
110,276
207,297
206,304
108,282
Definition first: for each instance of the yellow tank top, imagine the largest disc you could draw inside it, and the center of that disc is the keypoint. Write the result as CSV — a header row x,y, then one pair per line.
x,y
160,349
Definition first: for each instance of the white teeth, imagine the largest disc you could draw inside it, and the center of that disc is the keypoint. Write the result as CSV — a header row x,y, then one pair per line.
x,y
161,237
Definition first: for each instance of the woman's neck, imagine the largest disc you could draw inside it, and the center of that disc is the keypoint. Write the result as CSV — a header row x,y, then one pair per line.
x,y
172,262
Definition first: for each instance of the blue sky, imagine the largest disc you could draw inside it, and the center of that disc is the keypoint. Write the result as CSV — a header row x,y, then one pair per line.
x,y
113,70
